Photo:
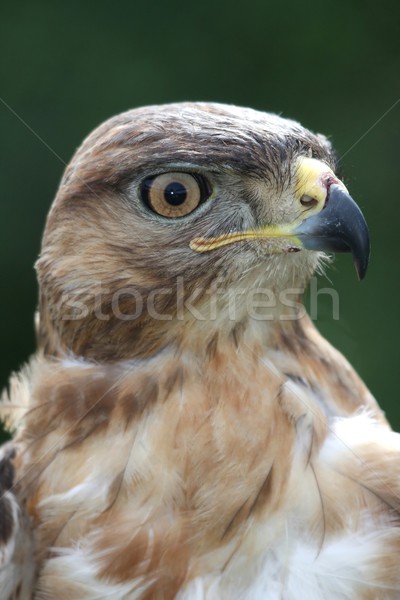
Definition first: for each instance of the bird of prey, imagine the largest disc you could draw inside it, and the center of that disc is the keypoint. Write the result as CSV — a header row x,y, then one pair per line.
x,y
183,431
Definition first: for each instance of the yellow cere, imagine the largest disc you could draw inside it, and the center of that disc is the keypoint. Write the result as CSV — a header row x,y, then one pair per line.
x,y
311,175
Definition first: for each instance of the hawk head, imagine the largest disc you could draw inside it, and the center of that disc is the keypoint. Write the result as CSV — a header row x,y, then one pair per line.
x,y
167,213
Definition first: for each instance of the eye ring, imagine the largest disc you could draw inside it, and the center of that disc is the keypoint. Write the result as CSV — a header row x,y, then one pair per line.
x,y
174,194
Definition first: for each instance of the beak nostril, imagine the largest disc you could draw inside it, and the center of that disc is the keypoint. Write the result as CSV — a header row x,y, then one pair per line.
x,y
308,201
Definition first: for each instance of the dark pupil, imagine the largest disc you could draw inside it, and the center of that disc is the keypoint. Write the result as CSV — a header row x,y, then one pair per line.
x,y
175,193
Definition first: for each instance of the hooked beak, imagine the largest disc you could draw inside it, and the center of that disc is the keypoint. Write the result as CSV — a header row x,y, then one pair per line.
x,y
339,227
332,222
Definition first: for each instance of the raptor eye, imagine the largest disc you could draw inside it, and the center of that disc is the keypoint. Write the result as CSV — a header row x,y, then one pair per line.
x,y
174,195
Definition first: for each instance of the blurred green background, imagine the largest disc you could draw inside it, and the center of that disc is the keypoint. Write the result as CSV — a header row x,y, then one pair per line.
x,y
332,65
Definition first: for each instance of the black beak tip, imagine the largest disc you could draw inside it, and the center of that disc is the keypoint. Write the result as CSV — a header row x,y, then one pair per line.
x,y
361,268
361,248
